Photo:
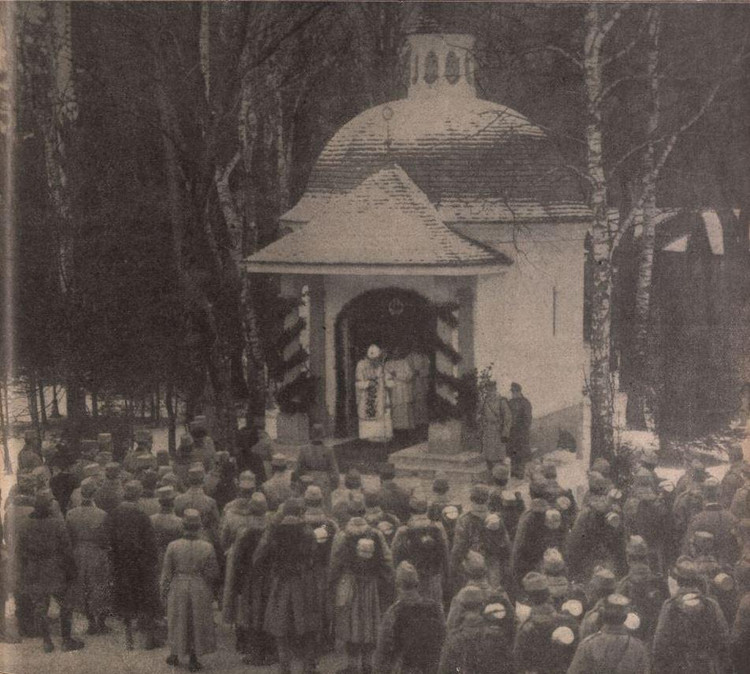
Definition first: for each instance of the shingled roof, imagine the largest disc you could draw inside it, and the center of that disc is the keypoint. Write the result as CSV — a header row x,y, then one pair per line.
x,y
476,161
385,223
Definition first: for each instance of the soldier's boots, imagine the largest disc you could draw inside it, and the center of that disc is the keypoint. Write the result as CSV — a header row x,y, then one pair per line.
x,y
70,644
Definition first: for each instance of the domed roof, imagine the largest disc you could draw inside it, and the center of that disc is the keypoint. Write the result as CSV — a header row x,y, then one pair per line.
x,y
476,161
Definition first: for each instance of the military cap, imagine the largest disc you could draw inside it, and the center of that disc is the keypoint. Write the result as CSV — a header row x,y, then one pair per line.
x,y
186,443
170,479
479,494
278,461
199,423
643,478
30,436
144,460
26,483
684,569
406,575
352,479
601,466
386,471
149,479
196,470
698,466
495,611
552,518
552,562
667,486
258,504
471,597
313,496
371,497
493,522
191,520
613,519
690,603
88,487
636,547
534,581
356,507
417,505
440,485
538,505
723,581
132,490
163,470
89,447
365,548
711,487
321,534
500,472
537,488
43,499
293,507
92,470
104,457
112,470
563,503
563,635
104,439
549,471
165,494
474,565
616,605
143,436
246,481
703,542
603,579
597,482
41,475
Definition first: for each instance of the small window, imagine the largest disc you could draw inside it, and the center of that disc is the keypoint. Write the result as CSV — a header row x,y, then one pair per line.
x,y
452,68
431,68
415,74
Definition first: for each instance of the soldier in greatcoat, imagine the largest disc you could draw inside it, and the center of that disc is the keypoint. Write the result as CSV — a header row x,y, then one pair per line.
x,y
29,456
324,529
197,499
692,636
203,442
320,463
186,455
539,529
613,648
221,483
141,456
519,442
246,589
18,509
482,642
734,478
393,498
92,590
133,556
469,532
376,517
278,487
718,578
93,470
546,641
424,544
717,521
361,578
167,526
148,502
495,419
47,568
412,630
508,504
110,493
293,611
236,514
188,575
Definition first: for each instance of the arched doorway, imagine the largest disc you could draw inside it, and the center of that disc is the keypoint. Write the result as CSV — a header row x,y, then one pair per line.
x,y
388,317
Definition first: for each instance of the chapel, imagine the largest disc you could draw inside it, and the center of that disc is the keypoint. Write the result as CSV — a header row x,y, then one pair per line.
x,y
446,224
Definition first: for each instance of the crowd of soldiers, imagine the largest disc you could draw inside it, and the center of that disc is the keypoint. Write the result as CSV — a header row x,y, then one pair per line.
x,y
649,578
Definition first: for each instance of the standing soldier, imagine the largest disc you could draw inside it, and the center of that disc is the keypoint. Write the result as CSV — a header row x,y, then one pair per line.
x,y
29,456
203,442
221,483
613,648
319,462
189,573
93,585
237,513
443,509
734,478
547,640
196,499
508,504
376,517
47,568
246,589
110,493
393,499
361,578
167,526
412,630
133,557
148,502
424,544
143,444
691,636
495,419
278,487
293,611
519,442
539,529
717,521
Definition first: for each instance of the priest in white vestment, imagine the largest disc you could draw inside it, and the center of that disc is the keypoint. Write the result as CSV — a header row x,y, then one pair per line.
x,y
373,397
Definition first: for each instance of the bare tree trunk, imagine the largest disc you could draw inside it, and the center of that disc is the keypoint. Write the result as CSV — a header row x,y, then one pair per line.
x,y
645,374
600,383
95,404
171,406
55,404
42,405
31,396
5,427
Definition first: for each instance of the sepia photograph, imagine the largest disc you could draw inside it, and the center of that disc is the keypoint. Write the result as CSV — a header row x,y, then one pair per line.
x,y
363,337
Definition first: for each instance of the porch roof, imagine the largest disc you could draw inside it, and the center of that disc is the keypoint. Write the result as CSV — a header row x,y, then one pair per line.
x,y
386,225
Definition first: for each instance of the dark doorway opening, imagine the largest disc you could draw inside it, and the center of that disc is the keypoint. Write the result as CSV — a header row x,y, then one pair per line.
x,y
388,317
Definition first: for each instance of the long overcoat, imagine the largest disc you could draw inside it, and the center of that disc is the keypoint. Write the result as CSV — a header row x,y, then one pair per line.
x,y
246,586
92,590
188,575
134,559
